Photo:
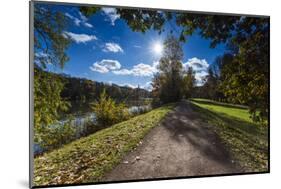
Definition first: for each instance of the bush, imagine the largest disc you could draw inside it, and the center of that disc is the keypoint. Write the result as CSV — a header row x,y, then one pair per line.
x,y
108,112
56,135
156,102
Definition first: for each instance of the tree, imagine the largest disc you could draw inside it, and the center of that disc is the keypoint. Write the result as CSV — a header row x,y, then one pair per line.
x,y
47,104
167,84
138,20
49,46
49,43
245,79
211,84
108,112
246,76
188,83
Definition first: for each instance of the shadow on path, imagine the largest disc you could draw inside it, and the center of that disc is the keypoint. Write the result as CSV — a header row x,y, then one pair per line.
x,y
183,123
182,145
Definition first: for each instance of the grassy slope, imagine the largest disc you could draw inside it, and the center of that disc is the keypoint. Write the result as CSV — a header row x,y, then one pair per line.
x,y
87,159
247,141
240,112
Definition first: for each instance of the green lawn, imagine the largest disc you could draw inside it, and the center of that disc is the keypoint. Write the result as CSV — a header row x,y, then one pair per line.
x,y
87,159
247,141
240,112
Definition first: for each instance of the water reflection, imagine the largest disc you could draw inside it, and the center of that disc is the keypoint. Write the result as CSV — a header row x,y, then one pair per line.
x,y
81,123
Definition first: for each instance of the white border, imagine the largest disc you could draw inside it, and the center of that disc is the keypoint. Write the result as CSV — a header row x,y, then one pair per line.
x,y
14,103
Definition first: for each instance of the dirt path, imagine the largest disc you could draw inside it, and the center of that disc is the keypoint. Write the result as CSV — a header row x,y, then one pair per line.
x,y
182,145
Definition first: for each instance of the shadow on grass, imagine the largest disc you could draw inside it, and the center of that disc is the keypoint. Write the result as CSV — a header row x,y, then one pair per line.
x,y
232,122
248,141
211,102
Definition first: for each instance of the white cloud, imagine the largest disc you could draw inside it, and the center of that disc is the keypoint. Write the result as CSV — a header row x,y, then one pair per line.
x,y
88,25
155,65
147,86
142,70
111,13
105,65
200,67
110,64
42,56
112,47
79,38
98,68
200,76
75,20
122,72
84,18
78,22
128,85
197,64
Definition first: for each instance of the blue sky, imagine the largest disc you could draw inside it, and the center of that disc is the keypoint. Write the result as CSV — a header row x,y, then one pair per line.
x,y
105,49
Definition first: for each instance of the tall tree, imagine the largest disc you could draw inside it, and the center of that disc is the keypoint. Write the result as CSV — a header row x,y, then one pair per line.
x,y
211,85
188,82
246,76
167,83
245,79
49,45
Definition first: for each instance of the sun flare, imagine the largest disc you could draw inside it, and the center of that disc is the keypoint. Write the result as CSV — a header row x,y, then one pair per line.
x,y
157,48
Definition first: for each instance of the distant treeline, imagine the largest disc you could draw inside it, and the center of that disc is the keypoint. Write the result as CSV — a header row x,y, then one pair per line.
x,y
84,91
59,98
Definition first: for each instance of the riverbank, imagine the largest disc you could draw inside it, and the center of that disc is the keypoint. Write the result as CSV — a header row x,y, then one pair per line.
x,y
87,159
84,124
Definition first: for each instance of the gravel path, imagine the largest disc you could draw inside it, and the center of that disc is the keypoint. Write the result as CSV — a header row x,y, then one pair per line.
x,y
182,145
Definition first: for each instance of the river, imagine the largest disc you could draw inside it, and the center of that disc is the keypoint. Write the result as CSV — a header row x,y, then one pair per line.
x,y
81,121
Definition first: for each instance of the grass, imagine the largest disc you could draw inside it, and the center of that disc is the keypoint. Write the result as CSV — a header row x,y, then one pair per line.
x,y
237,111
87,159
247,141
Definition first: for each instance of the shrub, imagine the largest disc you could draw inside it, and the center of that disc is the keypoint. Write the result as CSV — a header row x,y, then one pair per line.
x,y
156,103
56,135
108,112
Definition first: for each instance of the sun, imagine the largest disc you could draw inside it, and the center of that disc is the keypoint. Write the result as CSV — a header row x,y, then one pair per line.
x,y
157,48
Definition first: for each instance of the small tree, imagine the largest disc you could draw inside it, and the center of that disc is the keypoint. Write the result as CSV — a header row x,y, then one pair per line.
x,y
108,112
